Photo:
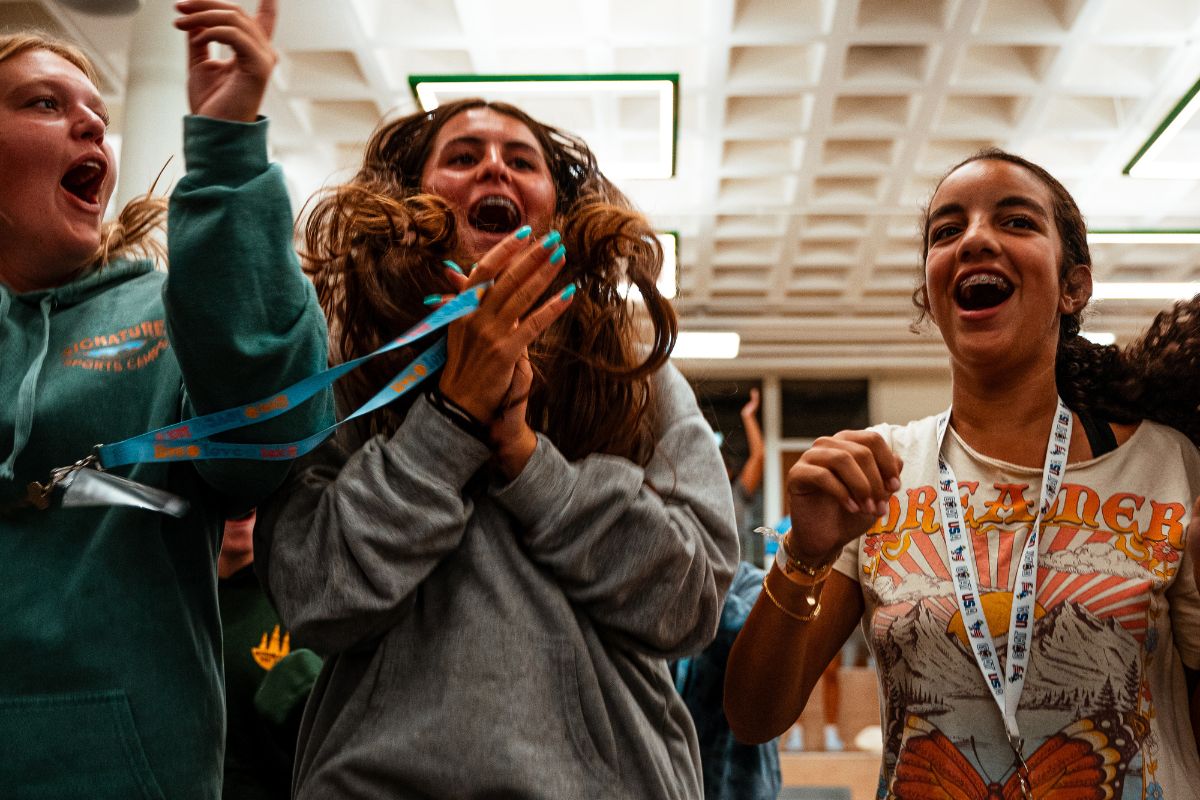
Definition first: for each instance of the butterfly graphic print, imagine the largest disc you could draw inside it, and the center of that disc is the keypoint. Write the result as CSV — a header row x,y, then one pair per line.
x,y
1087,760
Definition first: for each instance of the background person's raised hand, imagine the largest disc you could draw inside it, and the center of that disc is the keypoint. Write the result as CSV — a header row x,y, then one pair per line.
x,y
227,88
751,407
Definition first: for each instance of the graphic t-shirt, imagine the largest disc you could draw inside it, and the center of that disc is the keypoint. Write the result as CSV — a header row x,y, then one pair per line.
x,y
1105,704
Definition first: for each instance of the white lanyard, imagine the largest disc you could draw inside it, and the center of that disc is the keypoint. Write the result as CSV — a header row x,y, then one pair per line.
x,y
1006,689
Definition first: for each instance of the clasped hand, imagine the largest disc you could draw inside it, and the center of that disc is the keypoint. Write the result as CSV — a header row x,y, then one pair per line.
x,y
487,370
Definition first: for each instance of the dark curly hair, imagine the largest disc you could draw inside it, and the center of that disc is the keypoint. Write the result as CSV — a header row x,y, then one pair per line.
x,y
374,246
1141,381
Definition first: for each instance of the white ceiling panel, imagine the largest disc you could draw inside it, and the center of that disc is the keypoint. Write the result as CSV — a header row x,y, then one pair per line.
x,y
810,132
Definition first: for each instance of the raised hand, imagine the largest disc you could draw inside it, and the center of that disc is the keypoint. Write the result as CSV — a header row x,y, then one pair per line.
x,y
227,88
751,407
836,491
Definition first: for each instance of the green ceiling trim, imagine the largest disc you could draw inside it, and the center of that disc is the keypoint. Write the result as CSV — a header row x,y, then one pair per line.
x,y
672,77
1162,126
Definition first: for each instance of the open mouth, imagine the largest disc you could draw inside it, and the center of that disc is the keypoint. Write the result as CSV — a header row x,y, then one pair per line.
x,y
85,180
495,214
982,290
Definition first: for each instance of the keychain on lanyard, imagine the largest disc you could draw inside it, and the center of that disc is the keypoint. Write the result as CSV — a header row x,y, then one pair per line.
x,y
1005,687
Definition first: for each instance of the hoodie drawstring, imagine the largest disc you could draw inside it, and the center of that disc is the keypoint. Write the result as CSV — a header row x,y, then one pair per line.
x,y
27,394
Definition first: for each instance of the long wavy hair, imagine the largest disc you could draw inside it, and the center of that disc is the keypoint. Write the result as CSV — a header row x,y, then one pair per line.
x,y
136,231
1153,377
374,246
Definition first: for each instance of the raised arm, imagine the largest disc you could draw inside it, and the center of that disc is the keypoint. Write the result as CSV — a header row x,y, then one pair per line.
x,y
242,319
752,472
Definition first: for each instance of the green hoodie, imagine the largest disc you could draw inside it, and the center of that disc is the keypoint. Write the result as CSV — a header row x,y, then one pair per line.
x,y
111,685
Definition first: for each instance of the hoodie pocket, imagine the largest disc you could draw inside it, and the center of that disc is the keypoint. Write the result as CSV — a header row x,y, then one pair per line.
x,y
516,703
72,745
574,703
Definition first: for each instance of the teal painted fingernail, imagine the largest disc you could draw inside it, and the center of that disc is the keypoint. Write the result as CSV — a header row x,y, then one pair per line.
x,y
431,299
523,232
568,292
453,266
551,239
558,255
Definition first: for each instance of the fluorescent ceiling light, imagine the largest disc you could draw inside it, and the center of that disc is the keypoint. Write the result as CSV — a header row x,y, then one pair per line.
x,y
1143,237
628,120
1171,151
668,279
1100,337
707,344
1109,290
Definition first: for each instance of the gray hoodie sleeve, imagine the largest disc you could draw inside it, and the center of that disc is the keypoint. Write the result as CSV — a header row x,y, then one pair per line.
x,y
647,553
346,540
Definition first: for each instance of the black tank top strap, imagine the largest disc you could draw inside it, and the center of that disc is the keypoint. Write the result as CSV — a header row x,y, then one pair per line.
x,y
1099,434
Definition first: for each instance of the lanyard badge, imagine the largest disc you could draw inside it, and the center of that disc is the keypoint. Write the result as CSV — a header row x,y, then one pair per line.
x,y
1005,686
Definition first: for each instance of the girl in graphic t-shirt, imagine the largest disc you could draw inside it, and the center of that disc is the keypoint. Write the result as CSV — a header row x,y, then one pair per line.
x,y
1007,667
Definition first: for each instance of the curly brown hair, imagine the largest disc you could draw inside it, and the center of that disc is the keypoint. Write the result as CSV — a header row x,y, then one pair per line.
x,y
1141,381
134,233
374,246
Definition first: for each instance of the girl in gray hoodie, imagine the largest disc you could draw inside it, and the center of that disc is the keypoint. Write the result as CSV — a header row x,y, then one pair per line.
x,y
497,568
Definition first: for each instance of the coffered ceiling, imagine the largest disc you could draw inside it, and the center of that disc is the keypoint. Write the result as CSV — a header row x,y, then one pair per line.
x,y
810,133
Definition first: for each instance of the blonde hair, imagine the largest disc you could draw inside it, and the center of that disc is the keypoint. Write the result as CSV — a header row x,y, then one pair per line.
x,y
132,233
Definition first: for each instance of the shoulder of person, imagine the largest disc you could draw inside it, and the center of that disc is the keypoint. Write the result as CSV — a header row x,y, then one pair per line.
x,y
672,396
920,434
1162,442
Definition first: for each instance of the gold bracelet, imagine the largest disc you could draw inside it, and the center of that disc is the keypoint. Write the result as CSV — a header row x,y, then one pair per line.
x,y
812,601
803,574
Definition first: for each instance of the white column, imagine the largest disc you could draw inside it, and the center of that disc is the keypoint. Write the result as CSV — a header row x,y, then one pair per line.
x,y
155,103
772,424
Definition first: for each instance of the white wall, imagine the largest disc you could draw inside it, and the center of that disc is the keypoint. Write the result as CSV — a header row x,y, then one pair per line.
x,y
900,399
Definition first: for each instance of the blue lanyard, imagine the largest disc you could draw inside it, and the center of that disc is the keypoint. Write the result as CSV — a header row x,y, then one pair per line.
x,y
188,440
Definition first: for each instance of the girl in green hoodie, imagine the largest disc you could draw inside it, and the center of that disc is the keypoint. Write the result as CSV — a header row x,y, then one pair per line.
x,y
111,682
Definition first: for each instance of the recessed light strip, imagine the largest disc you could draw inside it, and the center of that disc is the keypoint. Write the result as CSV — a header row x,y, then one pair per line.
x,y
1100,337
1145,290
707,344
1115,290
1144,237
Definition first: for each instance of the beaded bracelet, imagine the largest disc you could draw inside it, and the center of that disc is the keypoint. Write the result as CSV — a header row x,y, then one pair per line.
x,y
462,418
